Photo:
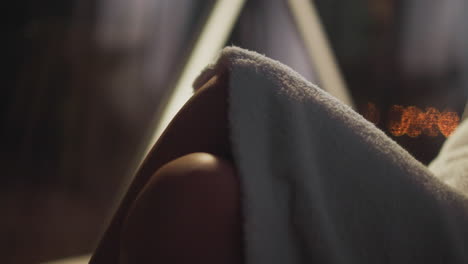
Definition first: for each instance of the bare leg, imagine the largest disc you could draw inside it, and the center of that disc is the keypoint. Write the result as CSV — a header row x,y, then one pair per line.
x,y
201,126
189,212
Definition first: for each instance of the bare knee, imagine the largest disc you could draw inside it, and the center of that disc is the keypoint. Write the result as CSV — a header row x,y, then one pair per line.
x,y
190,210
203,166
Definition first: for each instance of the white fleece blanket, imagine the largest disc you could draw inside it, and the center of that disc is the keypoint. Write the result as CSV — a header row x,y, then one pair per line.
x,y
451,165
320,184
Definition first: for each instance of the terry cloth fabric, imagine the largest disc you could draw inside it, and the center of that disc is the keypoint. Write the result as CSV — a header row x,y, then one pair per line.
x,y
320,184
451,165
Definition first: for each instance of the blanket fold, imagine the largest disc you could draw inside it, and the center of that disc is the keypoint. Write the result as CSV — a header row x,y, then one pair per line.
x,y
320,184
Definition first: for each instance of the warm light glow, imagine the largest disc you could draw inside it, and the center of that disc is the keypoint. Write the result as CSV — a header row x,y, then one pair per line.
x,y
447,123
413,122
431,116
416,119
398,126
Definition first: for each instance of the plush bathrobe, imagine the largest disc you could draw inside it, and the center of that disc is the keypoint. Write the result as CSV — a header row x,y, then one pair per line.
x,y
320,184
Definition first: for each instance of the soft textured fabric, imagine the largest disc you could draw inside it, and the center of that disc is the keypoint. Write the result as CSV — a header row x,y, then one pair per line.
x,y
451,165
320,184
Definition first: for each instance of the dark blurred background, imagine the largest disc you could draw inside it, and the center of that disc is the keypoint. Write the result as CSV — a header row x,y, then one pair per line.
x,y
85,79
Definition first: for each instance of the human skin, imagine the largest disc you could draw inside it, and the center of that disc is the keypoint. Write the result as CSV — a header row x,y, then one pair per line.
x,y
187,213
183,205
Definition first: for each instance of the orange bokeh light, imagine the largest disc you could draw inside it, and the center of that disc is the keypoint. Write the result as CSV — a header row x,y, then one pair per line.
x,y
430,127
399,121
413,122
447,123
